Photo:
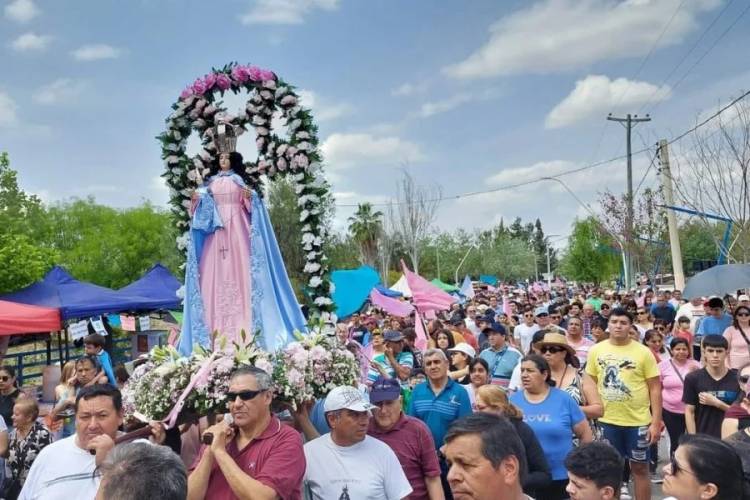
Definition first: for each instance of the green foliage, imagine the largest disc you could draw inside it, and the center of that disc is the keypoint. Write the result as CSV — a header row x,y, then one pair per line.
x,y
698,242
590,257
284,214
22,262
365,226
112,247
342,252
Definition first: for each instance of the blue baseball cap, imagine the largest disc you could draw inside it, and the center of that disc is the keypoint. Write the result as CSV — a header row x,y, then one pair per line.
x,y
494,326
384,389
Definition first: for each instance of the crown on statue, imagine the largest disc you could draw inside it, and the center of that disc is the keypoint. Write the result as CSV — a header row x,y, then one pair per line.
x,y
225,137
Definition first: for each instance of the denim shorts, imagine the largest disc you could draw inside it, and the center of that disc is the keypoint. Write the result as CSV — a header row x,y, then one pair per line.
x,y
631,442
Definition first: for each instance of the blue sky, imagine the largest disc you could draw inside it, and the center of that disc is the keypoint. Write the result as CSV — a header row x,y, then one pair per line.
x,y
467,95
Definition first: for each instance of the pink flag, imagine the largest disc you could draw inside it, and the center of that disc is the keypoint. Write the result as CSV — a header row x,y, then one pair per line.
x,y
425,295
391,305
506,306
421,342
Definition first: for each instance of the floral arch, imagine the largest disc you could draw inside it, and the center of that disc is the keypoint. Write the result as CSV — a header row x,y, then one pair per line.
x,y
198,109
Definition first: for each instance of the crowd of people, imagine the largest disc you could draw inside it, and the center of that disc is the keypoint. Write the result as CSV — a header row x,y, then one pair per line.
x,y
514,395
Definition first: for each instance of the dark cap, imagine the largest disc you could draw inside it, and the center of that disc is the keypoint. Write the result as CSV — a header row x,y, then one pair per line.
x,y
494,326
392,336
384,389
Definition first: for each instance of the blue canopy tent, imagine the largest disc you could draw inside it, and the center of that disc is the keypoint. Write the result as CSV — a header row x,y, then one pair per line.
x,y
158,288
75,299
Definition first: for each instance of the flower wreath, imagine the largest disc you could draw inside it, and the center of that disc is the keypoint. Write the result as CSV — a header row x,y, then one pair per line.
x,y
197,109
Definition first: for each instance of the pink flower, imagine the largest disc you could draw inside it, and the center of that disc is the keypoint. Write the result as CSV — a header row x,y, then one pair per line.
x,y
223,81
301,160
186,93
240,74
210,80
267,75
296,378
255,73
199,87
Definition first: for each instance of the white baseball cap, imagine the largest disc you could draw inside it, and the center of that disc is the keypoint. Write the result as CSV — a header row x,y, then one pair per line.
x,y
464,348
346,397
743,298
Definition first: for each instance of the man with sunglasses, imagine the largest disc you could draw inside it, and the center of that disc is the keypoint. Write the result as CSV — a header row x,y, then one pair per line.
x,y
346,463
408,437
254,457
524,332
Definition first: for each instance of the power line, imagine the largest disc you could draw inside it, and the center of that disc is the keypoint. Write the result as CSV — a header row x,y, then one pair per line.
x,y
567,172
698,61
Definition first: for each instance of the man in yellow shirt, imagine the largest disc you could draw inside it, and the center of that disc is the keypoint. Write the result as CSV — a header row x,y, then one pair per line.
x,y
627,379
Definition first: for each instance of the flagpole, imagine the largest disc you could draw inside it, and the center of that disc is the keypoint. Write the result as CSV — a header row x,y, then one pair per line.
x,y
462,263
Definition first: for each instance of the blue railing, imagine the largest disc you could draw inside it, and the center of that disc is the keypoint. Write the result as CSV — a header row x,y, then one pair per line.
x,y
29,364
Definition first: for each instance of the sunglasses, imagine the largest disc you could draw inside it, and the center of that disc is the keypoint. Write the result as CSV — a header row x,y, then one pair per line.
x,y
659,328
528,315
4,378
551,349
743,315
744,379
243,395
641,312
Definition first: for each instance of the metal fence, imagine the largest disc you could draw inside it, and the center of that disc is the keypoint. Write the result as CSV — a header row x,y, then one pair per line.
x,y
30,364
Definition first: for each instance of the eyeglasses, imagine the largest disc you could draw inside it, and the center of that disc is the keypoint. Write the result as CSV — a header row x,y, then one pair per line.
x,y
660,328
641,312
551,349
243,395
528,315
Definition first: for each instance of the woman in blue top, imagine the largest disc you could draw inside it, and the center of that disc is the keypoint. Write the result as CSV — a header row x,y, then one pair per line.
x,y
554,417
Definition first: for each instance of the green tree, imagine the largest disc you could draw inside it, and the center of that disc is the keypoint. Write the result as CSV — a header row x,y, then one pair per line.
x,y
365,227
589,257
112,247
284,213
342,252
22,262
698,242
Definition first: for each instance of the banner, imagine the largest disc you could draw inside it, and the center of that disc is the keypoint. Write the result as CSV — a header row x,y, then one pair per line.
x,y
144,323
98,325
127,322
78,330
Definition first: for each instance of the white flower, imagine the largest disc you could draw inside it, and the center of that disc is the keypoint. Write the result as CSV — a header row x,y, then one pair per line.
x,y
298,188
304,146
306,228
176,134
270,84
315,282
280,150
259,120
302,135
288,100
312,267
176,170
281,163
261,130
280,91
266,95
295,124
323,301
191,175
186,203
200,104
205,155
200,123
172,159
210,109
311,256
182,241
172,147
318,241
304,215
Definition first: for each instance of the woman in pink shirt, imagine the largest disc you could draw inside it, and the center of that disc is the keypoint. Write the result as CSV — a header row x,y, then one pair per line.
x,y
672,373
738,336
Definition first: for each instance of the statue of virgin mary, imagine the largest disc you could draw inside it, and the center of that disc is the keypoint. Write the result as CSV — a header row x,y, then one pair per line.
x,y
235,279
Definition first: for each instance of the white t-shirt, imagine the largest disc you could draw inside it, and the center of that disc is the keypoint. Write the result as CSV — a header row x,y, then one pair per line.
x,y
693,312
368,469
62,471
515,379
525,334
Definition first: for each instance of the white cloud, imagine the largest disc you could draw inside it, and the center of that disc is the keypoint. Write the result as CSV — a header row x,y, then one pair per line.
x,y
60,91
322,109
350,150
8,108
96,52
559,35
30,42
408,89
597,95
435,107
284,11
21,11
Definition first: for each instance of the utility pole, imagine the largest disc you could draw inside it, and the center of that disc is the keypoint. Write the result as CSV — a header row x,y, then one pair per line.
x,y
629,121
674,236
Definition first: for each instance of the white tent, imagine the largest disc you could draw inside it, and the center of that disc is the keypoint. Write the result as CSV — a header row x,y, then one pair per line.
x,y
402,286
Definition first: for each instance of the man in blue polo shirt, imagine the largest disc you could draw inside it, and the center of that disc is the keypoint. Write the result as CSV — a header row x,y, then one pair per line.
x,y
438,402
500,357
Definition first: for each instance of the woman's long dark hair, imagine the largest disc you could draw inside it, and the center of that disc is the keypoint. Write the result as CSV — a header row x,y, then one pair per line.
x,y
734,316
236,163
714,461
542,366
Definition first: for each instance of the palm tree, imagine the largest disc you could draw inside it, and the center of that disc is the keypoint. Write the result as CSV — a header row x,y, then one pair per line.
x,y
365,227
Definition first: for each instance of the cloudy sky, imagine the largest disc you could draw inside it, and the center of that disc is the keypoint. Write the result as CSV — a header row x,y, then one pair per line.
x,y
471,96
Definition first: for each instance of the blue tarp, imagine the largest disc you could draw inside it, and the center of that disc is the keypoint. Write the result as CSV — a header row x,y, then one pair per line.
x,y
158,287
353,286
75,299
388,292
486,278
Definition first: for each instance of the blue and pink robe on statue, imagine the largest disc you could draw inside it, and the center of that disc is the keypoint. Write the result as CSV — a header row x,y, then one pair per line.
x,y
235,278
